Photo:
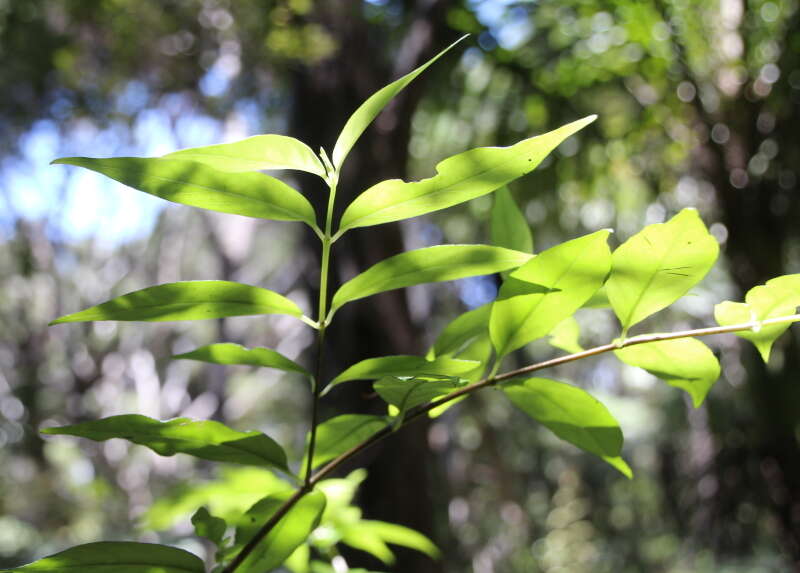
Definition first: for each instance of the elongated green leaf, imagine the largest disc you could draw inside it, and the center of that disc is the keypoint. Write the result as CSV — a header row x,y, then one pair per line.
x,y
370,109
229,353
566,335
400,535
431,264
117,557
509,228
205,439
409,392
209,526
403,365
658,265
460,331
548,289
572,414
777,297
254,154
189,300
337,435
458,179
684,363
373,536
195,184
292,530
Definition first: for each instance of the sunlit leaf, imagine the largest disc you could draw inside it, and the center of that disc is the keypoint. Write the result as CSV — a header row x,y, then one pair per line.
x,y
407,393
254,154
461,330
195,184
685,363
509,228
458,179
337,435
209,526
373,537
572,414
777,297
658,265
548,289
189,300
117,557
566,336
404,365
292,530
229,353
431,264
228,495
396,534
369,110
205,439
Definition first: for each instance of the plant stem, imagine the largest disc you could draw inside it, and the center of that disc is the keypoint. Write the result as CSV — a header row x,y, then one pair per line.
x,y
486,382
265,529
321,320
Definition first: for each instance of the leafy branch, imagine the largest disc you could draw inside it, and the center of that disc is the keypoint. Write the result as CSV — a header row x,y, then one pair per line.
x,y
539,295
420,411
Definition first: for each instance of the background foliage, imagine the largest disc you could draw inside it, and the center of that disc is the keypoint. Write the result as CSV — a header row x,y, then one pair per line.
x,y
696,103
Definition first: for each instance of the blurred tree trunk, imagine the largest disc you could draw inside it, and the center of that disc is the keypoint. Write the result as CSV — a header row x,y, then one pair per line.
x,y
324,96
762,220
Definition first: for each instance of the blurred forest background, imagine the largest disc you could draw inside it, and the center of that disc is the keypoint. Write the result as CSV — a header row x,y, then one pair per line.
x,y
698,107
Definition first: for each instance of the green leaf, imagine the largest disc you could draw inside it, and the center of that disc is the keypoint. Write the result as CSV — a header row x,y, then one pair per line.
x,y
409,392
369,110
292,530
548,289
189,300
337,435
254,154
658,265
205,439
685,363
777,297
232,491
400,535
229,353
208,526
117,557
195,184
458,179
431,264
461,331
403,365
566,336
572,414
509,228
373,536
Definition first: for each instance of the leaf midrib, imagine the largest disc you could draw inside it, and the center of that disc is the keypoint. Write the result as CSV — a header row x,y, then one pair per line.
x,y
650,280
242,159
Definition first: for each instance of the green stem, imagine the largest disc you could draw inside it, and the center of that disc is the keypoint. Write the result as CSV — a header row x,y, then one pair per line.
x,y
491,381
322,322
